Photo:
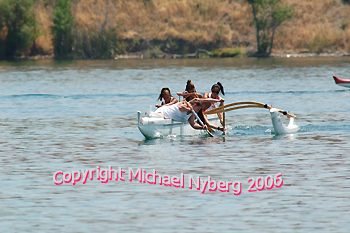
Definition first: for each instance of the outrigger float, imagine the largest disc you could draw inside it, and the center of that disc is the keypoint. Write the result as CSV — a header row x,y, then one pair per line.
x,y
152,126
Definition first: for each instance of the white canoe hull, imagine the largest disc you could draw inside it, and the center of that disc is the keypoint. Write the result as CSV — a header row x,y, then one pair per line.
x,y
154,127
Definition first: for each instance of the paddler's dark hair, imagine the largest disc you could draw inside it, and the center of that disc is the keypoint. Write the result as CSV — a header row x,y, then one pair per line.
x,y
189,85
218,85
161,95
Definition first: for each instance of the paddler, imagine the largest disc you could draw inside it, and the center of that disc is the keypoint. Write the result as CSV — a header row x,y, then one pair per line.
x,y
166,98
183,112
215,90
190,92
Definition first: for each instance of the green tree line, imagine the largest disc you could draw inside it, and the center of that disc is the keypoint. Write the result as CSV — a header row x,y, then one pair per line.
x,y
19,30
17,18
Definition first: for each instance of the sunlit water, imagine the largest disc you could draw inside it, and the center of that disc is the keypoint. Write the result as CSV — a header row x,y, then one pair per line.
x,y
78,115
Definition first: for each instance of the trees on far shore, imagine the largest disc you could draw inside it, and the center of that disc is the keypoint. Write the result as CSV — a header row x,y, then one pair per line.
x,y
17,27
268,15
62,28
71,39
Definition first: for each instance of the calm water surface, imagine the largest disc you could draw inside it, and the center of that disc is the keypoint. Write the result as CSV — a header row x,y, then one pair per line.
x,y
77,115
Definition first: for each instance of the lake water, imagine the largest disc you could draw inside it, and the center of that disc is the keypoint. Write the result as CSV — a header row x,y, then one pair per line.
x,y
79,115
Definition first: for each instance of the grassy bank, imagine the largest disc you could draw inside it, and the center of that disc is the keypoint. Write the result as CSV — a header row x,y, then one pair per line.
x,y
224,27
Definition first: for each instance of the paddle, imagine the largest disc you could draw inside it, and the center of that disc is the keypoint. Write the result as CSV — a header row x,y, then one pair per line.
x,y
179,94
223,118
199,120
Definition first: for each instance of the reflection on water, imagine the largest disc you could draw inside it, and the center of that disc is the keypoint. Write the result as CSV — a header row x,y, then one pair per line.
x,y
73,115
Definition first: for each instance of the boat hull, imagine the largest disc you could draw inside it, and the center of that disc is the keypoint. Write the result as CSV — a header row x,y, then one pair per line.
x,y
155,127
342,82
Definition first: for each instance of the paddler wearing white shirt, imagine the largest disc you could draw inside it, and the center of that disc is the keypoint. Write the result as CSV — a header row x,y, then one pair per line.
x,y
182,112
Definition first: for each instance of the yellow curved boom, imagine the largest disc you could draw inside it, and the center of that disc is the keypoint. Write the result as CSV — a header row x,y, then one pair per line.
x,y
245,104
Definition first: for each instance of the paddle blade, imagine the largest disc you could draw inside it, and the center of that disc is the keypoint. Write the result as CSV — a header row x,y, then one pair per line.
x,y
210,134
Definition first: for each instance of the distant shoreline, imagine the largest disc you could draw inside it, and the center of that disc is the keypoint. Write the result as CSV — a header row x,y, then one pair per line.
x,y
186,56
307,54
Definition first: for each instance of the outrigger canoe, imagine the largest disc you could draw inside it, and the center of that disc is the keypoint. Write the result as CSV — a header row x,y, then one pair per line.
x,y
152,126
342,82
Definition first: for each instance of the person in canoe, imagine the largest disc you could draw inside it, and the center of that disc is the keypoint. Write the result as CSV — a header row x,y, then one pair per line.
x,y
215,90
182,111
166,98
190,92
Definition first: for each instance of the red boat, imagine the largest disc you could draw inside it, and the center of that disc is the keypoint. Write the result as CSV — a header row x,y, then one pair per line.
x,y
342,82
